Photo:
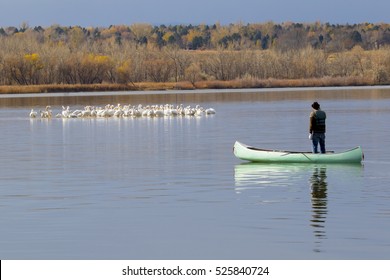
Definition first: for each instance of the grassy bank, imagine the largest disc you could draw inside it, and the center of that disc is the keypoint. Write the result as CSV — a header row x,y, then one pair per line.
x,y
239,83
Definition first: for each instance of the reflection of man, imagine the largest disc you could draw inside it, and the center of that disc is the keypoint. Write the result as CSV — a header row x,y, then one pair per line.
x,y
317,128
319,201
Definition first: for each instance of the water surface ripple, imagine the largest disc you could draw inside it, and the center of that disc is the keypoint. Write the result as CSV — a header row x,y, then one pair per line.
x,y
170,188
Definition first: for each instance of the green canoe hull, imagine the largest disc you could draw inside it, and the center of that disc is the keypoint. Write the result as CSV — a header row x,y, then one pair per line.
x,y
253,154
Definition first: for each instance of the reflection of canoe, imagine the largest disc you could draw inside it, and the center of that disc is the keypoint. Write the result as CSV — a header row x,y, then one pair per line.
x,y
252,174
253,154
262,174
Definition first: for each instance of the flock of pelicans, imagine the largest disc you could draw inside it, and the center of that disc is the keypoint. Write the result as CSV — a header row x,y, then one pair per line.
x,y
123,111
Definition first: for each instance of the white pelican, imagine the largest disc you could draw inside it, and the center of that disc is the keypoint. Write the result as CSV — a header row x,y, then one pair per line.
x,y
33,114
65,112
210,111
48,111
159,111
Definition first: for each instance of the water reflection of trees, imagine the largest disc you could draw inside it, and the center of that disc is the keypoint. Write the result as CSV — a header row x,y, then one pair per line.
x,y
319,202
176,97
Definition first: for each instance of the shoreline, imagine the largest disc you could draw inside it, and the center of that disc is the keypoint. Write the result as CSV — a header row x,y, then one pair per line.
x,y
203,86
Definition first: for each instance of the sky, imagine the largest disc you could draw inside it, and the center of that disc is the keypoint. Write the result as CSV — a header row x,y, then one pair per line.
x,y
103,13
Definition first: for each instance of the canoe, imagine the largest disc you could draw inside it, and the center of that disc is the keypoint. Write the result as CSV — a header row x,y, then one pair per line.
x,y
253,154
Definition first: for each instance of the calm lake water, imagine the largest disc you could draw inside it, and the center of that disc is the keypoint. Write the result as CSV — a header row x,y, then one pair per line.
x,y
171,188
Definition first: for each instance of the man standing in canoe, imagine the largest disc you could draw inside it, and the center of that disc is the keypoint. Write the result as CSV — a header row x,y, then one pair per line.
x,y
317,128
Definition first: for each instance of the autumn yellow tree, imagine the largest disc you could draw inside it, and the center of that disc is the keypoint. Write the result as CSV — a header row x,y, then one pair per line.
x,y
193,73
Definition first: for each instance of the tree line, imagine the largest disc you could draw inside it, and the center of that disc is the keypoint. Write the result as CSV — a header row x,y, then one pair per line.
x,y
145,53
